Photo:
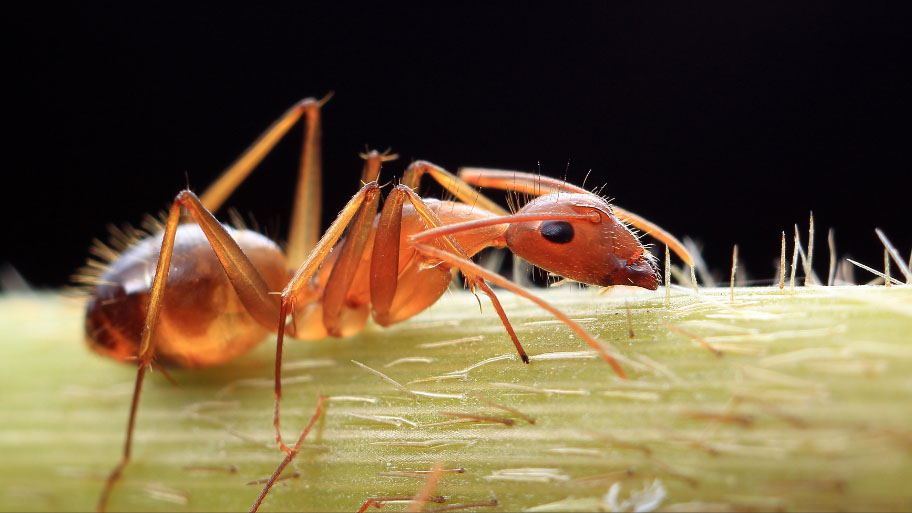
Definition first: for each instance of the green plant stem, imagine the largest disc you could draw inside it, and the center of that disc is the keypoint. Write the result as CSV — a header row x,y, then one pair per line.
x,y
806,409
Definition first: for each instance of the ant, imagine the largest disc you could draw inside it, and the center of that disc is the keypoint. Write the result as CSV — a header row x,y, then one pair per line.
x,y
200,293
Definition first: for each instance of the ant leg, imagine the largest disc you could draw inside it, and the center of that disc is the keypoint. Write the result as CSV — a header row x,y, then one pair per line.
x,y
115,474
465,192
503,318
340,319
431,221
146,348
337,318
471,269
307,269
301,281
305,222
373,160
537,185
245,279
304,229
385,259
343,271
384,268
388,307
217,192
250,286
291,454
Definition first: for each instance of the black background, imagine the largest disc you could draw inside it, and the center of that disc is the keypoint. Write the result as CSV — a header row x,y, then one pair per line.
x,y
725,122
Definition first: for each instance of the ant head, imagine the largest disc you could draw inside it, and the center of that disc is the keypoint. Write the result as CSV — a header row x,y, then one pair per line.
x,y
598,249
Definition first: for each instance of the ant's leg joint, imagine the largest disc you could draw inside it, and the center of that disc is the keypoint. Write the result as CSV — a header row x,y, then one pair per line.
x,y
186,196
305,102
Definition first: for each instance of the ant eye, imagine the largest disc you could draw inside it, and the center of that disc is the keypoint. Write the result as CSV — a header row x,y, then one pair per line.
x,y
560,232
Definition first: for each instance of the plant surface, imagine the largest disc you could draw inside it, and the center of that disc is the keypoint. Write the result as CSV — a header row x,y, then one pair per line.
x,y
780,400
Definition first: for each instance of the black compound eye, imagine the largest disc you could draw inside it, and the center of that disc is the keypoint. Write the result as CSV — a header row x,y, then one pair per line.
x,y
560,232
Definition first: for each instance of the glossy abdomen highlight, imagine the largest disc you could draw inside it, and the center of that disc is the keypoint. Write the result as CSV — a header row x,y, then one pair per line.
x,y
202,323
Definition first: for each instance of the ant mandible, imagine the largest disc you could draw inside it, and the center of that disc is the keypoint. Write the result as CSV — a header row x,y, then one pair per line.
x,y
218,301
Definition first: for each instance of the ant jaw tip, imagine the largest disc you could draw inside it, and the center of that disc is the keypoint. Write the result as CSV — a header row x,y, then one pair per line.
x,y
525,359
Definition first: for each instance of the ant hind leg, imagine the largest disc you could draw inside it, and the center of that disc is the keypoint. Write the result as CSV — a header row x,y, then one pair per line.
x,y
250,286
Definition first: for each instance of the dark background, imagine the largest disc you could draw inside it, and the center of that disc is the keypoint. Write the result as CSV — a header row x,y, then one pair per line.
x,y
723,122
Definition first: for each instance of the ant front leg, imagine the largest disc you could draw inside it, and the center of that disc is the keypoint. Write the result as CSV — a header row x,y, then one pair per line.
x,y
473,270
386,276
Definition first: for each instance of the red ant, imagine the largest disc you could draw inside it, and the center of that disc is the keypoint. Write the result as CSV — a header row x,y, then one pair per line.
x,y
219,300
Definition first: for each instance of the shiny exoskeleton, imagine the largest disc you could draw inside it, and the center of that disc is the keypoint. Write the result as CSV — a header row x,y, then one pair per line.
x,y
200,293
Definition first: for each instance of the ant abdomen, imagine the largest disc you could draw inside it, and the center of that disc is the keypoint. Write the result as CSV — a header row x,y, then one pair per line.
x,y
202,322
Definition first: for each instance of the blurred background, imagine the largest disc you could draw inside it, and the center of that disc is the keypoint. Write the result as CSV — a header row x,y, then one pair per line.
x,y
725,123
